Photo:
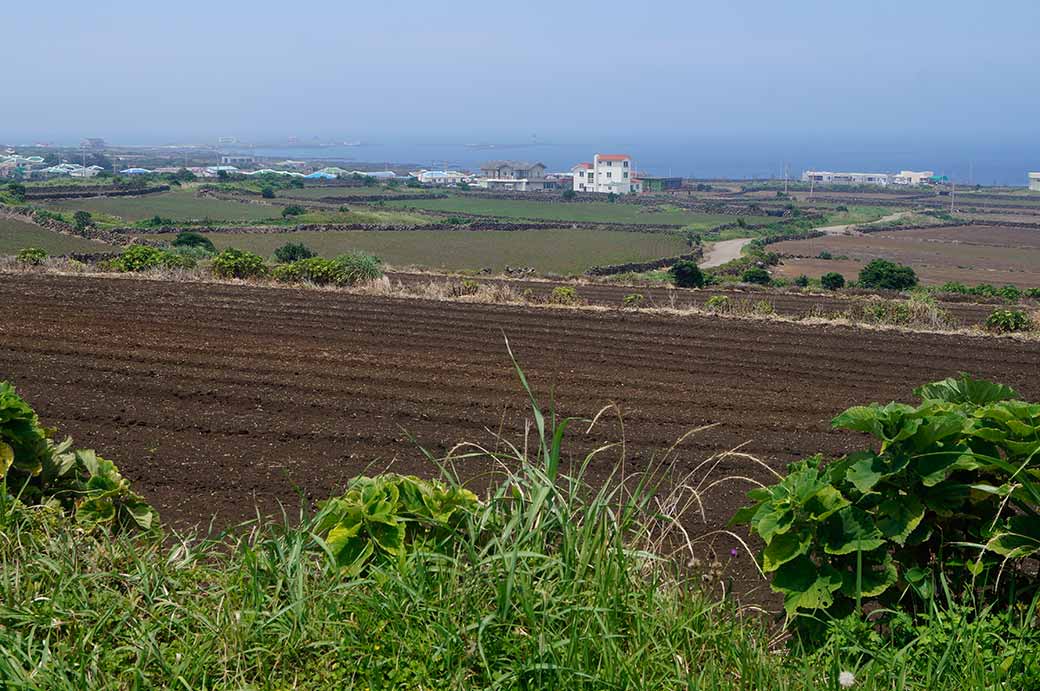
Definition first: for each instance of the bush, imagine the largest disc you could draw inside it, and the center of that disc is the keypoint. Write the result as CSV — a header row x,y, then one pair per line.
x,y
632,300
1008,321
344,270
928,510
292,252
77,481
81,220
17,191
293,210
156,221
802,281
32,256
824,254
687,274
883,274
190,239
1010,293
832,280
267,193
756,275
235,263
718,304
144,257
568,195
763,308
564,295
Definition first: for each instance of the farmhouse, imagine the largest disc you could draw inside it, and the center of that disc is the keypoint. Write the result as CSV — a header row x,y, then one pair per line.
x,y
826,177
1034,182
519,176
608,173
237,160
913,178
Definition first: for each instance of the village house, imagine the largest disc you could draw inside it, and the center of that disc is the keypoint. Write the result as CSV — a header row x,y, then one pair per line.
x,y
607,174
519,176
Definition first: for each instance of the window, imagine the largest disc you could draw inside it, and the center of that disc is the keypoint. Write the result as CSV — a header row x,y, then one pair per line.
x,y
625,164
625,175
609,163
609,174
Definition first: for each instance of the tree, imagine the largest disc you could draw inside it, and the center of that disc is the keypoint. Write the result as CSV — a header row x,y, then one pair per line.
x,y
881,273
687,274
756,275
568,195
832,280
293,210
802,281
17,190
190,239
81,220
267,193
611,197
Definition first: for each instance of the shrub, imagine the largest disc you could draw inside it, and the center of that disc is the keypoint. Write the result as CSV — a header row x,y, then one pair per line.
x,y
632,300
385,518
1032,293
293,251
564,295
756,275
81,220
568,195
190,239
954,287
32,256
293,210
78,481
144,257
802,281
947,497
17,191
344,270
267,193
881,273
1010,293
763,308
687,274
832,280
824,254
1008,321
718,304
156,221
235,263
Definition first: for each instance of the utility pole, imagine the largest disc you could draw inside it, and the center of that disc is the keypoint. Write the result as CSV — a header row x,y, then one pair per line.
x,y
953,193
812,184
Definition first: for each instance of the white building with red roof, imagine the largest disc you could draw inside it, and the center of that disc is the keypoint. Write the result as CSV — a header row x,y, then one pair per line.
x,y
608,173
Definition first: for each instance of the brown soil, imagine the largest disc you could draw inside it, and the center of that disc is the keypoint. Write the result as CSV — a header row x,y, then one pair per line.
x,y
219,400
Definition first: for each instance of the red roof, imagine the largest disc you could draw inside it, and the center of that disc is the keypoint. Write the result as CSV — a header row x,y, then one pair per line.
x,y
583,165
613,157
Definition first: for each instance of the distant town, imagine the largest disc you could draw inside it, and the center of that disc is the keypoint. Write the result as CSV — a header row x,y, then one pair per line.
x,y
605,173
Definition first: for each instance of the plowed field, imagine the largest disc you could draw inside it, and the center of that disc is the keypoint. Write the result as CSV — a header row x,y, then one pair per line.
x,y
213,397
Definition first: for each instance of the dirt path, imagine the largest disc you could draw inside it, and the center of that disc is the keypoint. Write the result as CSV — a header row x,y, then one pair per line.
x,y
719,253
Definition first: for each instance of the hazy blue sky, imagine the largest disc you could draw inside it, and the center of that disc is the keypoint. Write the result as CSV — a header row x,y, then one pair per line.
x,y
168,71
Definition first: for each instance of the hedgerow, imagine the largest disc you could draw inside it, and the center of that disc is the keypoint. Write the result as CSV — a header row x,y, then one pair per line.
x,y
144,257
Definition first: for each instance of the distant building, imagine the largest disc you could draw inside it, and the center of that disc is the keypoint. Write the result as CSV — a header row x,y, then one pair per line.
x,y
608,173
825,177
653,183
135,171
227,140
237,160
1034,182
913,178
93,143
441,177
520,176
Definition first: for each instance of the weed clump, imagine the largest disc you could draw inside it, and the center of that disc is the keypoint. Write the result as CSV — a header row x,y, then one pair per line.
x,y
32,256
1008,321
236,263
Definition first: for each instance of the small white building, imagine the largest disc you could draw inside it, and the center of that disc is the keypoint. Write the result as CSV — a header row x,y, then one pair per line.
x,y
913,178
1034,182
608,173
237,160
441,177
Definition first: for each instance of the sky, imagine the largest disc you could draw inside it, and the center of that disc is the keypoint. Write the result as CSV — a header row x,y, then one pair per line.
x,y
153,72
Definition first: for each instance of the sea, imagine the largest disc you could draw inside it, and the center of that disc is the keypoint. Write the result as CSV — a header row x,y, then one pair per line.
x,y
994,160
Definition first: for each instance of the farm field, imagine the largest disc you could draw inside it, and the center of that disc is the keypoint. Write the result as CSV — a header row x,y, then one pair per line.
x,y
16,235
968,254
602,212
563,251
178,205
212,397
319,193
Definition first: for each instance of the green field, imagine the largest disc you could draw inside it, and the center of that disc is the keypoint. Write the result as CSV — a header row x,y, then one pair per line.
x,y
318,193
548,251
178,205
603,212
17,235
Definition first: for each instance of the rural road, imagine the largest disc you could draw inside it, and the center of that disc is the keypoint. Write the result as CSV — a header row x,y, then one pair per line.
x,y
719,253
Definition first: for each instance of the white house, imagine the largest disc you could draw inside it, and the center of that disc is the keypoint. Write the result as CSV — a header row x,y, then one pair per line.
x,y
608,173
441,177
519,176
1034,182
913,178
826,177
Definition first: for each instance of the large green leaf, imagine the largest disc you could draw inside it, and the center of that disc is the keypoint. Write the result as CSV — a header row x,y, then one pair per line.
x,y
890,423
770,521
783,548
1021,539
806,587
898,515
851,530
934,467
6,458
824,503
866,468
389,536
875,577
965,389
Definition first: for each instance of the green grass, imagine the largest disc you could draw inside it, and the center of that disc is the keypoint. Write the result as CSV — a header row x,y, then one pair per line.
x,y
177,205
606,212
361,214
318,193
17,235
548,251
